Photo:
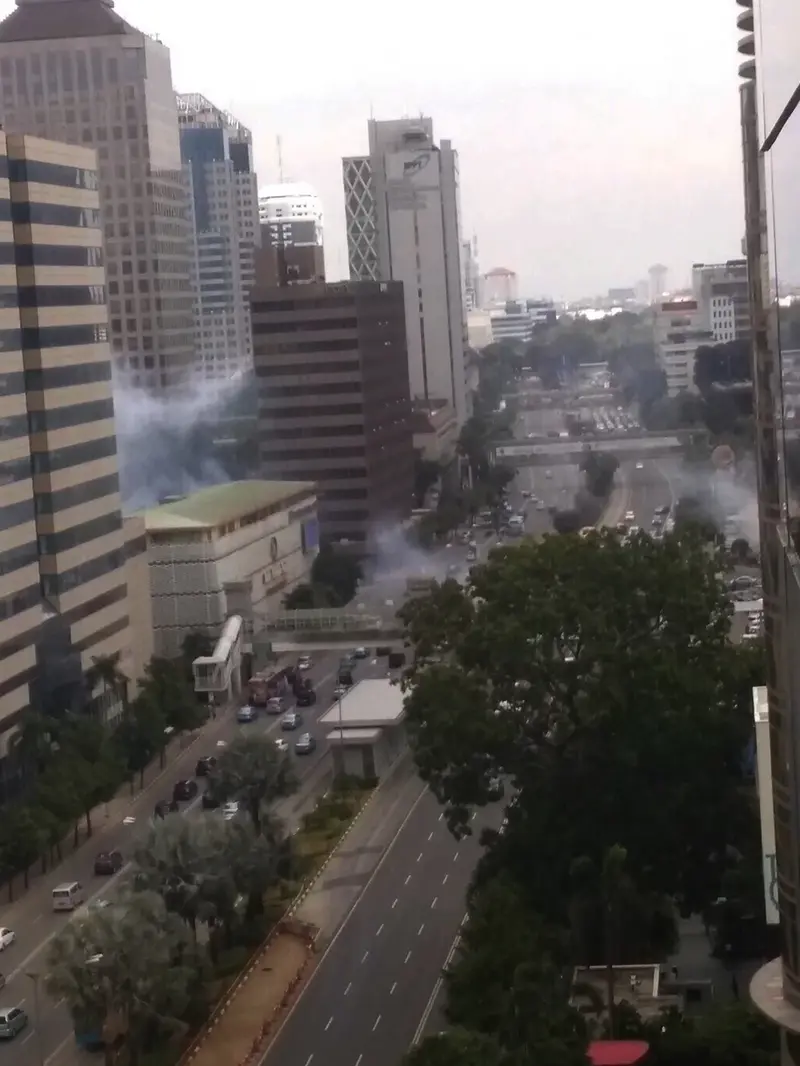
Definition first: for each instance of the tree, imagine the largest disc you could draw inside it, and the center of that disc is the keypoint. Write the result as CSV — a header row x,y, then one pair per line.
x,y
426,474
105,671
253,771
129,968
337,571
92,762
141,735
33,745
165,683
587,671
24,835
568,521
458,1047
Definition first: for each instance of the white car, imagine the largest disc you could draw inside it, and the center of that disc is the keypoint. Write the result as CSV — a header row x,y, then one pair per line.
x,y
7,938
640,466
304,662
282,745
230,810
630,516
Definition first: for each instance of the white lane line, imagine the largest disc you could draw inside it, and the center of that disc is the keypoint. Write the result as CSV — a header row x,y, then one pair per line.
x,y
435,901
419,931
348,988
444,879
380,929
358,1060
330,1023
366,956
419,857
407,879
455,856
391,990
441,816
430,835
474,815
408,956
436,990
310,1057
377,1023
395,904
27,1038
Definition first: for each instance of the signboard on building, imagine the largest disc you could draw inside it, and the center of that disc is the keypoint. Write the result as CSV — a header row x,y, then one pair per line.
x,y
309,533
764,784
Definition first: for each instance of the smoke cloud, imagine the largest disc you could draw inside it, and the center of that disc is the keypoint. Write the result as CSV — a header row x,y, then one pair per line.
x,y
169,446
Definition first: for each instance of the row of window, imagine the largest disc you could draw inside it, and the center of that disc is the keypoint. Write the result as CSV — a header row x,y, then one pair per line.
x,y
105,633
74,455
64,377
32,170
37,214
312,453
16,514
33,255
20,601
67,539
325,304
312,432
77,414
64,499
272,370
305,326
17,558
52,296
307,347
279,411
13,427
335,388
41,337
59,584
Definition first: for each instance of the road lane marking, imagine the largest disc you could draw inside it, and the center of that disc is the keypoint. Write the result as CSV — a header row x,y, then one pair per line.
x,y
419,931
395,904
310,1057
474,815
27,1038
391,990
419,856
348,988
377,1023
441,816
408,956
436,990
358,1060
444,879
407,879
327,1027
366,956
455,856
430,835
435,901
380,929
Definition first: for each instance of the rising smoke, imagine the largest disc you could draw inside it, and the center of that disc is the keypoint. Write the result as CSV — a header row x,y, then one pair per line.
x,y
170,446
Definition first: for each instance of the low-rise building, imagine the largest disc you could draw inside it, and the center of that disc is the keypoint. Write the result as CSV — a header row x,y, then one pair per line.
x,y
229,549
140,604
680,328
435,430
367,734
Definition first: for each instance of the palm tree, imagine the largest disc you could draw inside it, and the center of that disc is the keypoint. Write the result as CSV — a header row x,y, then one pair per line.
x,y
105,670
128,969
33,743
252,771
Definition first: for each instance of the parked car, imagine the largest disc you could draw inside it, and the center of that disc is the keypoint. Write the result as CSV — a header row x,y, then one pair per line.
x,y
397,659
107,863
305,744
165,807
185,790
205,765
246,714
291,721
275,705
306,697
12,1021
304,662
282,745
7,938
360,653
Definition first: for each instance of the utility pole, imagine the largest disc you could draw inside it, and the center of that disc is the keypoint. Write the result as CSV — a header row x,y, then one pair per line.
x,y
34,977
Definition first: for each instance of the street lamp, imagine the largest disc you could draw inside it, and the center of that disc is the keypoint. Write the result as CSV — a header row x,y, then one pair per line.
x,y
34,978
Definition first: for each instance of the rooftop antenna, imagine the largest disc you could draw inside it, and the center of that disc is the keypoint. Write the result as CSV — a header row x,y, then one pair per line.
x,y
279,145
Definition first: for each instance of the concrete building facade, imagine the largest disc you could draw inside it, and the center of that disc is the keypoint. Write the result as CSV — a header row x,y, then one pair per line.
x,y
680,328
722,289
75,71
218,151
64,597
402,209
499,287
292,215
234,549
334,406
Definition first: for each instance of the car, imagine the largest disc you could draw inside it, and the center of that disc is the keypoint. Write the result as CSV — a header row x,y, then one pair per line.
x,y
282,745
230,810
185,790
165,807
630,516
7,937
12,1021
210,800
305,744
340,690
107,863
548,474
640,466
362,653
304,662
347,662
205,764
541,506
306,697
291,721
246,714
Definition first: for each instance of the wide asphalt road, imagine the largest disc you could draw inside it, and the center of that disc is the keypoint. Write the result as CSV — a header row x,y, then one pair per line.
x,y
33,918
372,987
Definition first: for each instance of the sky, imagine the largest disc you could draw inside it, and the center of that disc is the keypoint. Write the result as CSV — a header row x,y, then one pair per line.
x,y
594,138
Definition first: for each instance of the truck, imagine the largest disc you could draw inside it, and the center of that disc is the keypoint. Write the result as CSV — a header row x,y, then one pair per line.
x,y
266,684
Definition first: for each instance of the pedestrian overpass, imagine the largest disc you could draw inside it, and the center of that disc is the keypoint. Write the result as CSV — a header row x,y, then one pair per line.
x,y
551,453
326,628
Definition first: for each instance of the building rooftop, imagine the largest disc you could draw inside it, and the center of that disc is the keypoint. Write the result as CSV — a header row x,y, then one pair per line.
x,y
51,20
370,704
220,504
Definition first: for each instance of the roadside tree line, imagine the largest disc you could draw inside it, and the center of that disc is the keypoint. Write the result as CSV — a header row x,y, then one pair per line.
x,y
594,679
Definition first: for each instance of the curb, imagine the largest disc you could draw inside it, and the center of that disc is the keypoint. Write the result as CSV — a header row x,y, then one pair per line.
x,y
304,931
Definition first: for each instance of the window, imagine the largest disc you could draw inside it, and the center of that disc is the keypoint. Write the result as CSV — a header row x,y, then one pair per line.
x,y
96,489
59,377
58,584
18,558
19,602
74,455
77,414
55,215
61,296
59,255
63,336
65,540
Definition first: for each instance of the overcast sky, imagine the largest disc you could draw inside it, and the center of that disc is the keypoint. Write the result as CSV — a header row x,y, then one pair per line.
x,y
594,138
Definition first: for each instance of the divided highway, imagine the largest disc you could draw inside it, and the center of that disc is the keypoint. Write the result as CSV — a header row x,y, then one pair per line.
x,y
373,985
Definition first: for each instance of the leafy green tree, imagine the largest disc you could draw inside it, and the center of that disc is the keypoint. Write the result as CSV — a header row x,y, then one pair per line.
x,y
92,762
597,677
33,745
24,836
166,684
59,795
252,771
140,736
131,967
458,1047
106,672
337,571
735,1034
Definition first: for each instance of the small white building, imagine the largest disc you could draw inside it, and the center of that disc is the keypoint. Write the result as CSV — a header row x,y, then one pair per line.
x,y
681,327
229,549
367,732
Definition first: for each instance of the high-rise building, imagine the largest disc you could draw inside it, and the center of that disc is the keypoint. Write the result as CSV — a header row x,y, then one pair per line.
x,y
499,286
64,598
292,214
680,328
334,407
403,224
724,293
472,281
218,151
658,282
76,71
771,135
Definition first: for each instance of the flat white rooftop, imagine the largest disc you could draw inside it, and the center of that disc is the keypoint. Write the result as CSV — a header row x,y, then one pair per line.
x,y
353,736
370,704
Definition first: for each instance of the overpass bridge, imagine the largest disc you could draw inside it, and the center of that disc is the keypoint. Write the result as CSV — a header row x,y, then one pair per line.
x,y
329,629
552,453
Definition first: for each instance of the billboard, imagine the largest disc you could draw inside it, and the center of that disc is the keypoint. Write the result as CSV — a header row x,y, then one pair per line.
x,y
309,535
409,175
764,784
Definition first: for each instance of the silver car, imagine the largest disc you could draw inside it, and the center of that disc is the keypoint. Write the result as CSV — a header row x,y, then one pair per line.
x,y
12,1021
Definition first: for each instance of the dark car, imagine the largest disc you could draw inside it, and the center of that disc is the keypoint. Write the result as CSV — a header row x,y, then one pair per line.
x,y
210,800
205,765
346,678
306,697
107,863
185,790
165,807
397,659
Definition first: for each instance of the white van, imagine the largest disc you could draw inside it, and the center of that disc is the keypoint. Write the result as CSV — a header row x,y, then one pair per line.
x,y
69,896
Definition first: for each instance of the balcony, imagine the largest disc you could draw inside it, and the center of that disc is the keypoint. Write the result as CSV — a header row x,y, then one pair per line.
x,y
748,70
745,21
747,45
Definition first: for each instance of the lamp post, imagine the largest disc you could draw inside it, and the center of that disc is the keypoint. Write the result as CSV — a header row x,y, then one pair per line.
x,y
34,978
